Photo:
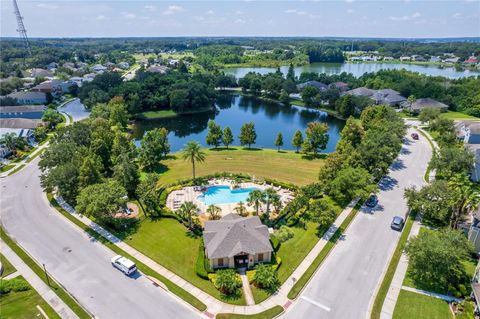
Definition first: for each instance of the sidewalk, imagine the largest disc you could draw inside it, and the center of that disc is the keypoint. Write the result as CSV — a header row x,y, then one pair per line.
x,y
397,281
215,306
43,290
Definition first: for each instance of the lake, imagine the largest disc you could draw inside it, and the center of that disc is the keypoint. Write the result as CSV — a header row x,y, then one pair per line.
x,y
358,69
234,110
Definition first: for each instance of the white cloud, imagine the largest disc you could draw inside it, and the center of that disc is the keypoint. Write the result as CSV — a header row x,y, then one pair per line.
x,y
128,15
150,8
172,10
406,18
350,11
457,15
238,13
210,12
295,11
101,17
239,21
47,6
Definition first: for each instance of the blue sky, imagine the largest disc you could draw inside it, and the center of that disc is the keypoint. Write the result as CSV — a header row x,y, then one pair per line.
x,y
348,18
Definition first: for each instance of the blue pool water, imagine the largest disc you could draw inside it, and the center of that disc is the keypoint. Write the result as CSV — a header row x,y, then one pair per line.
x,y
224,195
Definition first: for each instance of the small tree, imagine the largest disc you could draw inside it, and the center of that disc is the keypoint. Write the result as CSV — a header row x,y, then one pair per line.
x,y
248,135
284,98
297,141
265,277
193,152
214,136
188,211
316,137
148,193
240,209
52,117
227,137
153,147
90,171
125,172
227,281
284,233
279,141
255,198
428,114
270,197
214,212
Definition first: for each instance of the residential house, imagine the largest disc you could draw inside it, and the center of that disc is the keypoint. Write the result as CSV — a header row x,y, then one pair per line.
x,y
41,73
236,242
5,151
69,65
52,66
471,60
157,69
88,77
361,91
25,133
435,59
469,133
318,85
53,87
405,58
388,97
77,80
418,58
388,58
124,65
476,288
452,60
28,98
421,104
341,86
99,68
22,111
20,123
474,231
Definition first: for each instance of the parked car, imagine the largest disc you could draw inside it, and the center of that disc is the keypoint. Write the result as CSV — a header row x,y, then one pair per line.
x,y
414,136
372,201
124,265
397,223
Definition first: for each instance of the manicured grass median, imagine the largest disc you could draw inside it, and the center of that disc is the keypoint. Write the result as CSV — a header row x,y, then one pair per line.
x,y
61,293
23,305
285,166
267,314
19,167
142,267
413,305
7,266
302,281
387,279
6,168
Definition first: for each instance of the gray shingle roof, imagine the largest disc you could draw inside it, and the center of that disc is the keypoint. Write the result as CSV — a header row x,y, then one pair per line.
x,y
421,104
361,91
233,235
318,85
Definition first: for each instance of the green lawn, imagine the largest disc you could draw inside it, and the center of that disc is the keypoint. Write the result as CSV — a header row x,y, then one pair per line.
x,y
23,305
453,115
267,314
167,242
150,115
413,305
7,266
5,168
283,166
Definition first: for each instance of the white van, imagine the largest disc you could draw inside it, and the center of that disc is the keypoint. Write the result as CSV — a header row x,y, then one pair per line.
x,y
125,265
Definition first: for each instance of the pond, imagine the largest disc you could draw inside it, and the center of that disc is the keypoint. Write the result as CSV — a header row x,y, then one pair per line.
x,y
358,69
234,110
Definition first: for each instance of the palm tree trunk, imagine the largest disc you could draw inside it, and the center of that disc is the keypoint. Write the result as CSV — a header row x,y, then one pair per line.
x,y
193,168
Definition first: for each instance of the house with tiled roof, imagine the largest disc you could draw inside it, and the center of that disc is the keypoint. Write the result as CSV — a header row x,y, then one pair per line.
x,y
236,242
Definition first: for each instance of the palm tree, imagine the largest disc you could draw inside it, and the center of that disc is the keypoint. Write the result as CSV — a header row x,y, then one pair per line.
x,y
255,198
214,212
269,194
277,203
466,197
241,209
193,152
187,210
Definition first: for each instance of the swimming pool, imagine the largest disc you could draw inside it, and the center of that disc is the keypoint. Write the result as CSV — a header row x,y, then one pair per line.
x,y
224,195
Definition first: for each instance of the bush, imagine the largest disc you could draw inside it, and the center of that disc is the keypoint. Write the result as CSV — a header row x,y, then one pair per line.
x,y
201,263
284,234
227,281
265,277
275,242
15,284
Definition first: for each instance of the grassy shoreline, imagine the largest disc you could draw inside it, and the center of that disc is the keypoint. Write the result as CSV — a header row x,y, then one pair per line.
x,y
160,114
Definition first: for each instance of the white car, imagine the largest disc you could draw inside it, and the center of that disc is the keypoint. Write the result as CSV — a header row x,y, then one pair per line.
x,y
124,265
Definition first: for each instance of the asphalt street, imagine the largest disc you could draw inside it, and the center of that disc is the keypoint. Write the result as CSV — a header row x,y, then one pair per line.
x,y
77,261
345,284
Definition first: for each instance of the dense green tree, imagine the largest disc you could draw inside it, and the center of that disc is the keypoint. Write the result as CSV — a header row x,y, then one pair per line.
x,y
248,135
125,172
279,141
316,139
193,152
291,73
118,113
453,160
148,192
466,195
435,258
345,106
101,201
153,147
351,183
322,212
352,134
428,115
101,141
297,140
284,98
122,145
227,136
90,171
265,277
52,117
214,135
308,94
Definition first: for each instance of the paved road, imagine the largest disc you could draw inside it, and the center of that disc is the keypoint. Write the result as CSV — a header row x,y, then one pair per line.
x,y
78,262
344,285
76,110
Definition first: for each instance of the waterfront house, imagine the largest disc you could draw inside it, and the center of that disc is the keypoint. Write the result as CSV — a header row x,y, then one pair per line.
x,y
98,68
341,86
318,85
361,91
426,103
405,59
236,242
471,60
388,97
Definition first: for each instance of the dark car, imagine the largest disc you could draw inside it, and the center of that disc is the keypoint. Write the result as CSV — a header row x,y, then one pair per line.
x,y
372,201
414,136
397,223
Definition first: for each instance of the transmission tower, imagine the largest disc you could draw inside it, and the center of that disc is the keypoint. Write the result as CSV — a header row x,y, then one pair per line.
x,y
21,28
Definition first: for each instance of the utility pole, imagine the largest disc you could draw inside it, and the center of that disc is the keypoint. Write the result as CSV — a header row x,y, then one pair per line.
x,y
44,268
21,28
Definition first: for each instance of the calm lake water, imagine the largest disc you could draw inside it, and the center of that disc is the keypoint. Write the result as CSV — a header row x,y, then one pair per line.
x,y
358,69
234,110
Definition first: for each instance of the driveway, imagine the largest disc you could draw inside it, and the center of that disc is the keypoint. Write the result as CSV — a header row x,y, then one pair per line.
x,y
77,261
76,110
345,284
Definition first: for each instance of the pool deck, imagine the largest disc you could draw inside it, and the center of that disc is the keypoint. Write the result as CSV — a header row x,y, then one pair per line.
x,y
191,193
